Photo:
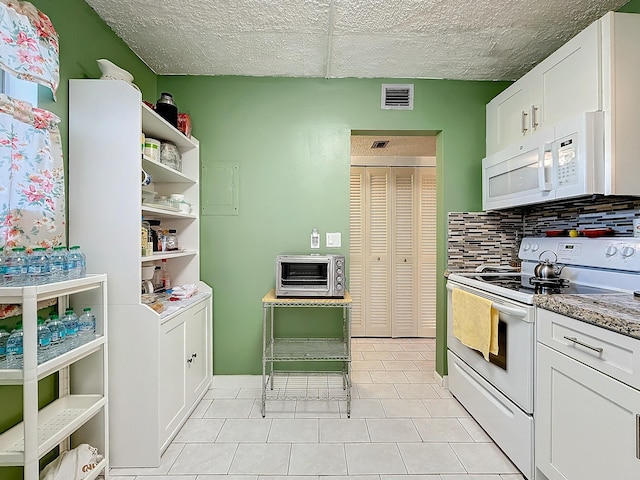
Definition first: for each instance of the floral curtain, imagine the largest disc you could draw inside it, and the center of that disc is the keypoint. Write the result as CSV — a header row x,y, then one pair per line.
x,y
32,195
28,44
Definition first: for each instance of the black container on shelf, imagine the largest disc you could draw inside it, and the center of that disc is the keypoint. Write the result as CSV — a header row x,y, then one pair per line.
x,y
167,109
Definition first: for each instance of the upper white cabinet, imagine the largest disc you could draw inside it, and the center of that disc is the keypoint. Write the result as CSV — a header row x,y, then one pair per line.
x,y
150,354
595,70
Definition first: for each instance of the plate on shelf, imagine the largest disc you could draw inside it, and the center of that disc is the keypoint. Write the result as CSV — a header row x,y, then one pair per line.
x,y
596,232
161,207
555,232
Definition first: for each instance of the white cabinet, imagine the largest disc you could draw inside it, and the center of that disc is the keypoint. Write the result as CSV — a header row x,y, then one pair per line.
x,y
595,70
587,421
79,415
565,84
184,374
149,379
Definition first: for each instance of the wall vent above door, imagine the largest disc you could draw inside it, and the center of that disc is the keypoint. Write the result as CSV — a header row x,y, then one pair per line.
x,y
397,96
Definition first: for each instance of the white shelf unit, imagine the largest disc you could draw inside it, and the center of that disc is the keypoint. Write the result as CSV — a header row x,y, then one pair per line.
x,y
160,363
80,414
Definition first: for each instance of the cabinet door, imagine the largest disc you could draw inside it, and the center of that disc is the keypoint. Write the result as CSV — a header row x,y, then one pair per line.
x,y
586,422
196,354
568,82
508,116
172,375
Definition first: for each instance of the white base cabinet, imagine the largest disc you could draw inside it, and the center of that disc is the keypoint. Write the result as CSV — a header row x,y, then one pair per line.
x,y
80,413
587,422
159,374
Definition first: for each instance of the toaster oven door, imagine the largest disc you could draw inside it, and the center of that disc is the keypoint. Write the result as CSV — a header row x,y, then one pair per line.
x,y
303,278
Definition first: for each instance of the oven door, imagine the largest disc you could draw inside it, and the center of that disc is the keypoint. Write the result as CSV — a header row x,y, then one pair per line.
x,y
511,371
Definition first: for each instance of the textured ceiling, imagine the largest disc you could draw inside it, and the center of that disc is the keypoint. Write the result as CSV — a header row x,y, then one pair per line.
x,y
452,39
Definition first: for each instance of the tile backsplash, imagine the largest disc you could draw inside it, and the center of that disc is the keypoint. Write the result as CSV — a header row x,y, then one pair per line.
x,y
476,238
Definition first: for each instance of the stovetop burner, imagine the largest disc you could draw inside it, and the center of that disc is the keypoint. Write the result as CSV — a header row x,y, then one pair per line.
x,y
531,284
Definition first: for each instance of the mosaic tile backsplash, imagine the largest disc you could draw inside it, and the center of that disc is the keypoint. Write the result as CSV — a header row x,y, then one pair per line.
x,y
476,238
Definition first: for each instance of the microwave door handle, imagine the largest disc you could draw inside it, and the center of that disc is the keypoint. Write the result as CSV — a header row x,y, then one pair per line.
x,y
545,162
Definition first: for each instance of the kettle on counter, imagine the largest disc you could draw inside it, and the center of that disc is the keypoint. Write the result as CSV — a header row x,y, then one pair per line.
x,y
546,269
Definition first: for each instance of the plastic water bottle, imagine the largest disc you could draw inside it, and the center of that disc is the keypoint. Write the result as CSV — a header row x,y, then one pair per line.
x,y
78,262
58,335
38,267
14,348
44,342
15,267
70,320
3,266
58,264
4,336
86,326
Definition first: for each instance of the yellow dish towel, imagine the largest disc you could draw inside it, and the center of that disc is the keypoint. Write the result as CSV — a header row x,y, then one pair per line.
x,y
475,322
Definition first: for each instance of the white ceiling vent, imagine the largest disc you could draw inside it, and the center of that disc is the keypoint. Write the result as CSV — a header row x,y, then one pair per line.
x,y
397,97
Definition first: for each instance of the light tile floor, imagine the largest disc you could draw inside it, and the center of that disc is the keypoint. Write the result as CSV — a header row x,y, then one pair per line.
x,y
403,426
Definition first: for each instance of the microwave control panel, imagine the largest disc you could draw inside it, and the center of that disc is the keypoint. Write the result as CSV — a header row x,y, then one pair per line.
x,y
567,168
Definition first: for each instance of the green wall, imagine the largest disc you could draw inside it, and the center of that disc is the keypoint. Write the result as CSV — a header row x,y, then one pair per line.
x,y
291,140
84,38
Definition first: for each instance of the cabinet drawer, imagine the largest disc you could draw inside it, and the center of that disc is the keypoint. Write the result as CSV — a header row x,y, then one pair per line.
x,y
607,351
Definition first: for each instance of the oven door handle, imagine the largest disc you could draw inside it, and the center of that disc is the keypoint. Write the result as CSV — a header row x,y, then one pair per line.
x,y
513,311
516,312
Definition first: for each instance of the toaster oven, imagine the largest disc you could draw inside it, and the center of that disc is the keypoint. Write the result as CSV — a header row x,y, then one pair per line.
x,y
310,276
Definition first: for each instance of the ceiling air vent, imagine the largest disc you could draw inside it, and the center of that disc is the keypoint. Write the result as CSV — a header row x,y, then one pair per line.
x,y
380,144
397,97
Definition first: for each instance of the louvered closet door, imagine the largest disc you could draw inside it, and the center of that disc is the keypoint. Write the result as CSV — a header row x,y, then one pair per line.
x,y
426,261
377,274
356,249
404,321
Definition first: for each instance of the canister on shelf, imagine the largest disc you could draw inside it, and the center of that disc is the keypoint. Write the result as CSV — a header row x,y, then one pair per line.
x,y
152,149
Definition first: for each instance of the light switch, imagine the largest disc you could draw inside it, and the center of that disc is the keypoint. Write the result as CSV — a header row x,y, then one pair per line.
x,y
334,240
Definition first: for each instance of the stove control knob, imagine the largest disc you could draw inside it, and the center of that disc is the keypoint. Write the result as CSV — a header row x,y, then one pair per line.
x,y
628,252
610,251
535,247
526,247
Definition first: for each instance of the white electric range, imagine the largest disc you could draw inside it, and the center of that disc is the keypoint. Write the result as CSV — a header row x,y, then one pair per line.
x,y
499,393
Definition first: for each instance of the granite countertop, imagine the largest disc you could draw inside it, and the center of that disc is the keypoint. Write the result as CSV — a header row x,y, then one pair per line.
x,y
617,312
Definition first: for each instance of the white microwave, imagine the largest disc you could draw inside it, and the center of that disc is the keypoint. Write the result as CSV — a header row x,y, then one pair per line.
x,y
560,162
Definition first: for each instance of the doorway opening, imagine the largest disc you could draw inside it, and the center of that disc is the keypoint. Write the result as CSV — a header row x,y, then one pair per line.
x,y
392,224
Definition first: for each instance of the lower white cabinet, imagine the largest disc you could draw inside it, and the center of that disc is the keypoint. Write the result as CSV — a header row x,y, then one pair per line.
x,y
161,368
587,423
184,373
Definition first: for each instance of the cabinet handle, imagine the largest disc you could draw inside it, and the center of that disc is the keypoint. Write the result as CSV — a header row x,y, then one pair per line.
x,y
638,437
575,340
524,122
189,360
534,117
194,355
